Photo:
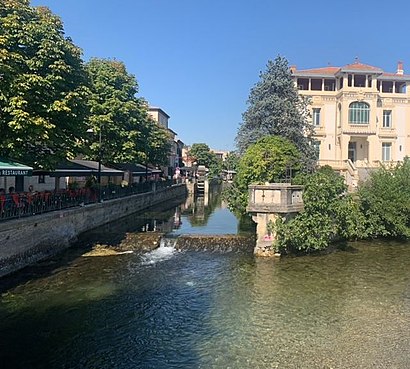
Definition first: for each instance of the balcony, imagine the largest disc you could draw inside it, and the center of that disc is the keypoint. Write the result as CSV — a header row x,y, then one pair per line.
x,y
358,130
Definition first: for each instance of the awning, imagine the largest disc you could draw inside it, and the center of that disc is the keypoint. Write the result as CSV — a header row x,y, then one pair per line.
x,y
10,168
83,168
137,170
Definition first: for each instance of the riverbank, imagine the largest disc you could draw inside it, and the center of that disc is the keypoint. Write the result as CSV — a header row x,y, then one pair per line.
x,y
25,241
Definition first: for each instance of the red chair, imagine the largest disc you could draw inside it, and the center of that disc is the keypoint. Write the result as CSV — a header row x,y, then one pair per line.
x,y
2,202
16,199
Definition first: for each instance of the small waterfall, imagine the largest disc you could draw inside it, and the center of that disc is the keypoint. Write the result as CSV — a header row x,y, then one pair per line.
x,y
165,251
168,242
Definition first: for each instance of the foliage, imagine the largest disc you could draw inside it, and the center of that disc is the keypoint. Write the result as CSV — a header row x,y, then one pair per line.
x,y
127,132
202,154
385,202
158,146
265,161
231,161
329,214
43,86
275,108
116,114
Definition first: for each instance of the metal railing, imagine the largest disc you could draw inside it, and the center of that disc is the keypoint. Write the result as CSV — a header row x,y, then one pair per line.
x,y
19,205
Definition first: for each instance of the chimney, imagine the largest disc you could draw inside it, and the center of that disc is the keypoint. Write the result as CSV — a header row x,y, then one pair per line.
x,y
292,69
400,70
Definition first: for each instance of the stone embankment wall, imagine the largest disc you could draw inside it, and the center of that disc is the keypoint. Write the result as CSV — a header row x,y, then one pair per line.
x,y
27,240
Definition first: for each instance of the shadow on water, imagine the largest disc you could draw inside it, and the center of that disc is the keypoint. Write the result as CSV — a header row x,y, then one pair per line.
x,y
111,234
93,319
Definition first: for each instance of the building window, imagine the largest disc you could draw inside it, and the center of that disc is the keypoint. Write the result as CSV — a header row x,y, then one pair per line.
x,y
386,151
316,147
41,178
387,119
316,116
359,113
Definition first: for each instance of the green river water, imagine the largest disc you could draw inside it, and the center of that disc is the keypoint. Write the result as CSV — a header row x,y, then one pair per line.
x,y
169,309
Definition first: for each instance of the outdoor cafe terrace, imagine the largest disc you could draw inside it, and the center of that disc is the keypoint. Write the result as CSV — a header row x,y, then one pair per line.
x,y
17,205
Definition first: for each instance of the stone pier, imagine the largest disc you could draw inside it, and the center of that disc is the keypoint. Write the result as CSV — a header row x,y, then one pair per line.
x,y
266,204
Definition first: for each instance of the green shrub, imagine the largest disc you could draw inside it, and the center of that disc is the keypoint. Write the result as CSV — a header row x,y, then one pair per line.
x,y
329,214
385,202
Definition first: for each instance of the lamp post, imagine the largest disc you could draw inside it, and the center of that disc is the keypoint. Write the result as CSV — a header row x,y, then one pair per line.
x,y
99,165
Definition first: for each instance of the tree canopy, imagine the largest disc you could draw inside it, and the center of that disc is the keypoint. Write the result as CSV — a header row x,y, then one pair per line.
x,y
202,154
43,86
265,161
276,109
231,161
128,133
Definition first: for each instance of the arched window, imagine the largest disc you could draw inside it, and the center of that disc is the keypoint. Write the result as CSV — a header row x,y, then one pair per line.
x,y
359,113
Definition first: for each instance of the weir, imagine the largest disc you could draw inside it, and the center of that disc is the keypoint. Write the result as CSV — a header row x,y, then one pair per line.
x,y
267,203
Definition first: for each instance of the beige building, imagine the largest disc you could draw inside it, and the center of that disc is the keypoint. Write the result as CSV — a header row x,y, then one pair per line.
x,y
361,116
220,154
175,154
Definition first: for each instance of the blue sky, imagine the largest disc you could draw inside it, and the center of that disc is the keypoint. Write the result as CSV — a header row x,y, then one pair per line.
x,y
198,59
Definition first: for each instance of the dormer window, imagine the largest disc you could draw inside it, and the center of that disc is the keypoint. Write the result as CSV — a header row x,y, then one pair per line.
x,y
359,113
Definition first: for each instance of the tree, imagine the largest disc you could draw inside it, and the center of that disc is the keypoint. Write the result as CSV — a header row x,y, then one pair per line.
x,y
202,154
266,161
158,143
43,86
231,161
276,109
116,113
127,131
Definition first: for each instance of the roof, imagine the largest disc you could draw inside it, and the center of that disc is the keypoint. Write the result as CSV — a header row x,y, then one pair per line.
x,y
326,71
136,169
82,168
13,168
357,66
171,131
156,108
352,68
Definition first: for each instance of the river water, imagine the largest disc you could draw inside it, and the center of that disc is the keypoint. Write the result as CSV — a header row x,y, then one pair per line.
x,y
168,309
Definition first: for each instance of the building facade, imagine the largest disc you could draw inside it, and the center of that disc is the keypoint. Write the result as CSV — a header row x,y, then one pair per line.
x,y
175,154
360,113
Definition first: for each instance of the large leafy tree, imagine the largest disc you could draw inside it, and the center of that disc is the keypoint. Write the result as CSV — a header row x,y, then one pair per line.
x,y
127,132
43,86
115,112
202,154
268,160
275,108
